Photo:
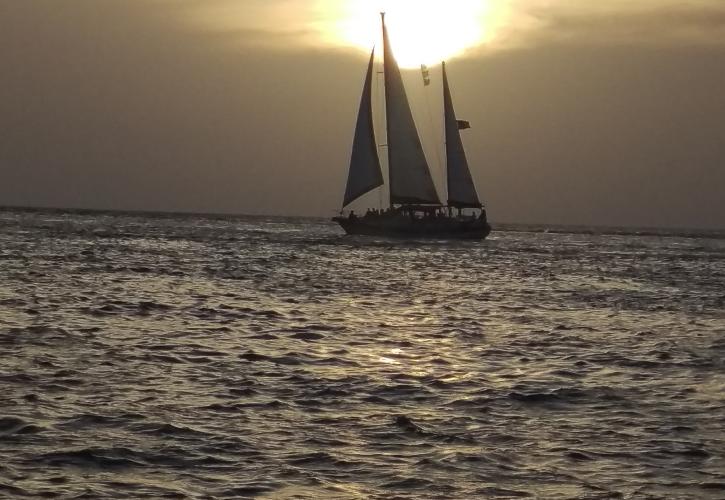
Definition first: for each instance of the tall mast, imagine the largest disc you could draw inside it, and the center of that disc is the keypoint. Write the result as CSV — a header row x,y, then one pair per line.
x,y
408,172
386,48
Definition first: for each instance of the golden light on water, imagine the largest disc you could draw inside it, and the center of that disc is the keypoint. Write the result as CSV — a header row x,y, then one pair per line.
x,y
421,31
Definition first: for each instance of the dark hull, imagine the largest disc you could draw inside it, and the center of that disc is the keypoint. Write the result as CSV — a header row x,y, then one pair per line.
x,y
404,227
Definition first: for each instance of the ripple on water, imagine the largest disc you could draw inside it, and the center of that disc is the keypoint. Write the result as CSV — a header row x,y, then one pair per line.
x,y
183,356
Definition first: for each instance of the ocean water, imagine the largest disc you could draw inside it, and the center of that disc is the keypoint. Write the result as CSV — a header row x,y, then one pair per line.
x,y
183,356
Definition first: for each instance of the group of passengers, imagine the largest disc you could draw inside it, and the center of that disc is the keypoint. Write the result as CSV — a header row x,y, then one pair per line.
x,y
438,213
374,212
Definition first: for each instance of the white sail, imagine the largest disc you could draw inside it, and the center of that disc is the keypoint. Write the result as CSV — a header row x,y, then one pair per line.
x,y
461,190
365,173
410,179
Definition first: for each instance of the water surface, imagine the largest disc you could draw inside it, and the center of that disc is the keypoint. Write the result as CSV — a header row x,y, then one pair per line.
x,y
183,356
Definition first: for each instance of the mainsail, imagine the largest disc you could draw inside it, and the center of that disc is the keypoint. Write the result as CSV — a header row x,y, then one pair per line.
x,y
410,179
461,190
365,173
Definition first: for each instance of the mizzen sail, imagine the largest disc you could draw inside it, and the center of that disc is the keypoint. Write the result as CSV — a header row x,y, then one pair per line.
x,y
410,178
365,173
461,190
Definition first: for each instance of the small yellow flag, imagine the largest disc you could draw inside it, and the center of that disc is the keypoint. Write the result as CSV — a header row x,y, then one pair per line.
x,y
426,74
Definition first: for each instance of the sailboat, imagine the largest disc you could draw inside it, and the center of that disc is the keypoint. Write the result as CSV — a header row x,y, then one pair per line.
x,y
415,208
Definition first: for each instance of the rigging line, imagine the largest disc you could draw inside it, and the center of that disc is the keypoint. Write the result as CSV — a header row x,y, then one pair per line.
x,y
381,126
439,161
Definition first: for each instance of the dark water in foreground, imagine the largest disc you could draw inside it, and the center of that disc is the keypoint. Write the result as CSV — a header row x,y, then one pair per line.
x,y
187,357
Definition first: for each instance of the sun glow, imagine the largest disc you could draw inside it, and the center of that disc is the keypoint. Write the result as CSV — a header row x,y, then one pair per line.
x,y
421,31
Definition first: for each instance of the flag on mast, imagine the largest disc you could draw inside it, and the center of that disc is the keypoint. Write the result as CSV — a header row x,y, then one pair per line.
x,y
426,74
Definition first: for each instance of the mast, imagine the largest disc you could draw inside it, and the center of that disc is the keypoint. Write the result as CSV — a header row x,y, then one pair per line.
x,y
365,173
461,190
409,175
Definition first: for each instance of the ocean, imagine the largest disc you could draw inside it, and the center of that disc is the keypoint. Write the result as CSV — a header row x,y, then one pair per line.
x,y
190,356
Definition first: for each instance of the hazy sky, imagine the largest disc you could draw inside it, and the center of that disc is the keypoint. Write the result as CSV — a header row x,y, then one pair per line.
x,y
582,112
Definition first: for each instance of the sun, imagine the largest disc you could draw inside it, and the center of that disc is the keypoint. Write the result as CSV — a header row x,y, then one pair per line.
x,y
421,31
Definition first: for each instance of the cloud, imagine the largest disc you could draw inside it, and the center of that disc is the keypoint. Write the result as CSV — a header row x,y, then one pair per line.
x,y
141,104
516,23
616,22
286,24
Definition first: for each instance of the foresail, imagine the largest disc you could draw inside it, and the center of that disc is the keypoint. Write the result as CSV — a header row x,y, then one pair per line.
x,y
410,178
461,190
365,172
